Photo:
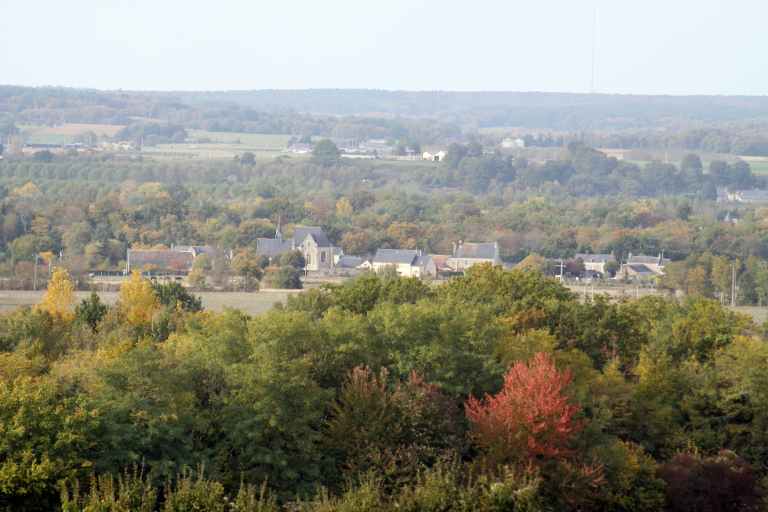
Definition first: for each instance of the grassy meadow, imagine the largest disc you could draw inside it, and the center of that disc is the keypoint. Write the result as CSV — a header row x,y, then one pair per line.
x,y
221,145
65,133
251,303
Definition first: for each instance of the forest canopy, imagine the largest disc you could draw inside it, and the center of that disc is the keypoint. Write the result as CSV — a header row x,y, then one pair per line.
x,y
497,391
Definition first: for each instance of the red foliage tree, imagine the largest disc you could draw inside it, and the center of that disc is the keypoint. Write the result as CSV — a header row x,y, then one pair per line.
x,y
531,419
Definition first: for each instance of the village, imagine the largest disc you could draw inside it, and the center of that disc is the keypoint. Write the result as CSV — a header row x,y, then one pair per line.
x,y
316,260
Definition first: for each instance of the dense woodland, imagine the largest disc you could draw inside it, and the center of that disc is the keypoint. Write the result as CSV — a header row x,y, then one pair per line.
x,y
497,391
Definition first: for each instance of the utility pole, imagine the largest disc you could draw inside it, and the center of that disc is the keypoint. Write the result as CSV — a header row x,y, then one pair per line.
x,y
733,285
34,274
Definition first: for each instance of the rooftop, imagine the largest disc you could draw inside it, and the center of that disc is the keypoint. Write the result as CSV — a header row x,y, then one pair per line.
x,y
647,260
272,246
163,259
405,256
640,269
483,250
300,233
350,262
594,258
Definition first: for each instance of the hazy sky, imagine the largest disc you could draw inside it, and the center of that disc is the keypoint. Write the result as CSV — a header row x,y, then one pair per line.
x,y
643,46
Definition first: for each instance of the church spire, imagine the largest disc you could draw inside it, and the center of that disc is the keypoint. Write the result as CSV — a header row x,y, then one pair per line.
x,y
278,233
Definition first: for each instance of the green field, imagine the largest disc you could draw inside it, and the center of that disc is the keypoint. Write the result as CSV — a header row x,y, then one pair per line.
x,y
251,303
265,141
759,167
222,145
65,133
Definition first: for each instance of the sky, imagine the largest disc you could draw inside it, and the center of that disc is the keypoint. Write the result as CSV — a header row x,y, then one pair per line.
x,y
640,46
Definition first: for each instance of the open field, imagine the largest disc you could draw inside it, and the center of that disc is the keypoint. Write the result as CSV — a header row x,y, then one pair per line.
x,y
210,152
262,301
222,145
265,141
759,164
759,315
251,303
65,133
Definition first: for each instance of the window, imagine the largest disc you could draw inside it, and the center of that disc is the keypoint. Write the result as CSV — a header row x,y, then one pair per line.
x,y
322,257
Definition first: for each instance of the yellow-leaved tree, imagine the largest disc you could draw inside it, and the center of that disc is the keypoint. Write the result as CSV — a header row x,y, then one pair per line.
x,y
60,296
344,208
138,300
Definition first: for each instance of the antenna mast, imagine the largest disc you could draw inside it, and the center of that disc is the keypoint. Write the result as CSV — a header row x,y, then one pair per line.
x,y
593,82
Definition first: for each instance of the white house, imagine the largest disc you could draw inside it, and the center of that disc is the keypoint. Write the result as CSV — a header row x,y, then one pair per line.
x,y
434,157
510,143
595,262
406,262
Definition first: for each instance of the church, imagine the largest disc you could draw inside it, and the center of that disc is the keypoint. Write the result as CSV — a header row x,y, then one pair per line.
x,y
319,253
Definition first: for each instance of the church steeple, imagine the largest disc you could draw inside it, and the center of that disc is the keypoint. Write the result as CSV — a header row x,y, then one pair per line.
x,y
278,233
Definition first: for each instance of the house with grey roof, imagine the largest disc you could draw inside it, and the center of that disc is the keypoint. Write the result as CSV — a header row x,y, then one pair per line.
x,y
637,272
655,263
346,262
406,262
467,254
159,261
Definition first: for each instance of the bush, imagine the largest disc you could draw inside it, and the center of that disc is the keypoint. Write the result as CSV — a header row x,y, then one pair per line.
x,y
173,295
724,482
283,277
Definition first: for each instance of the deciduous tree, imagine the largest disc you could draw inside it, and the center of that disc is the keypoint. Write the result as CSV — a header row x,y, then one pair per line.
x,y
138,301
59,297
531,418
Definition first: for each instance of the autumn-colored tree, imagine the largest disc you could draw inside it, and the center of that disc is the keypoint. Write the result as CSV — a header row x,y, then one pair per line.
x,y
532,262
138,300
60,296
344,208
247,265
405,234
357,242
531,418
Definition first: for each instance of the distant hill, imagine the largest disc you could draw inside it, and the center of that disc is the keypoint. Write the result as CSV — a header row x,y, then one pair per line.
x,y
553,111
531,109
